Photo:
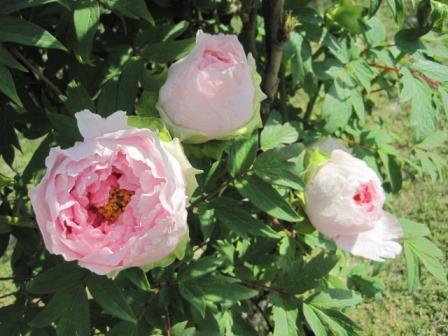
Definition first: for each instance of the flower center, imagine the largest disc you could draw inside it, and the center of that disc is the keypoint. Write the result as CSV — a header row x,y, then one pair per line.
x,y
364,195
115,205
211,56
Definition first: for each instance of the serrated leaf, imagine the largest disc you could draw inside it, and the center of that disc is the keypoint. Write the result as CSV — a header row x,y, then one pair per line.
x,y
266,198
242,154
110,297
275,133
24,32
278,166
423,114
335,110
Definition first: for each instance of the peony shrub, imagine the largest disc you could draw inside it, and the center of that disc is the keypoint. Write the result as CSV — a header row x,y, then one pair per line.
x,y
212,167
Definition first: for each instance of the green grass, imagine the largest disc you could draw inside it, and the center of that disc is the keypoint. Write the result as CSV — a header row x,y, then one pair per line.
x,y
424,312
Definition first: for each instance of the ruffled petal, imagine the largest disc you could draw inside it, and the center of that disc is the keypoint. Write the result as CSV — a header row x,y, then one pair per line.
x,y
92,125
376,244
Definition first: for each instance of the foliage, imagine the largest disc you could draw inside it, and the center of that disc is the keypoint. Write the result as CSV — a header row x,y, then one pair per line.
x,y
254,264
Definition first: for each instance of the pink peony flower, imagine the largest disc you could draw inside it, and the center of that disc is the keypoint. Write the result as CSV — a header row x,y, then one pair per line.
x,y
344,201
116,200
213,93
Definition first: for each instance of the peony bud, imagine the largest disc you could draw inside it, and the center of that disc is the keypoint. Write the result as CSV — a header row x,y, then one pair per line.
x,y
212,93
344,201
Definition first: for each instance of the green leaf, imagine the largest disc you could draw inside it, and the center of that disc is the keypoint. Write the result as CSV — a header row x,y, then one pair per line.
x,y
110,298
374,6
78,98
154,124
194,295
65,127
266,198
168,51
285,315
434,140
433,70
423,114
444,95
393,171
335,110
242,154
24,32
199,268
223,289
301,278
413,229
123,328
397,7
7,85
313,320
412,268
119,93
56,307
435,267
138,277
277,166
76,319
240,220
335,298
86,17
275,133
133,9
180,329
62,275
11,6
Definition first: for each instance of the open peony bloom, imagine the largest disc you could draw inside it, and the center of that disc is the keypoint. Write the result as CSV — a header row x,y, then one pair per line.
x,y
212,93
116,200
344,201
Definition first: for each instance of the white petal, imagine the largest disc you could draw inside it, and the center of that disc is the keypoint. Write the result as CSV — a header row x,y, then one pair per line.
x,y
376,244
92,125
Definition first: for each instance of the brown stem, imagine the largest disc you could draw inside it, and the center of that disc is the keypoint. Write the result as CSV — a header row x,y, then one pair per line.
x,y
37,73
168,322
275,38
435,84
248,15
